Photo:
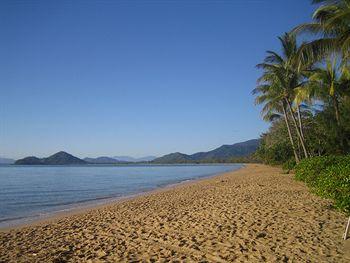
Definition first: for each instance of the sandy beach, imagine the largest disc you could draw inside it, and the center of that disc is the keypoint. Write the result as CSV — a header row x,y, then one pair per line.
x,y
255,214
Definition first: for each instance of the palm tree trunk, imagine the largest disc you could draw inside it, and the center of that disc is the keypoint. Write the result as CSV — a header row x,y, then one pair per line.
x,y
336,110
299,148
300,123
297,128
339,128
301,127
290,134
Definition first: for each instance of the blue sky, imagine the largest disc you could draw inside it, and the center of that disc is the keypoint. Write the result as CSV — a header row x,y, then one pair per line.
x,y
134,77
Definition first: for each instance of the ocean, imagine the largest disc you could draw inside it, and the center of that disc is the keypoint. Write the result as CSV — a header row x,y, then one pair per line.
x,y
28,193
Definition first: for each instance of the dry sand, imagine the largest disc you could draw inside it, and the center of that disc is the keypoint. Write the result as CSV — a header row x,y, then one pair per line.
x,y
255,214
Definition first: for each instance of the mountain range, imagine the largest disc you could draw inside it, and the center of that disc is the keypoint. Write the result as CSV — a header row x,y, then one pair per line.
x,y
222,153
63,158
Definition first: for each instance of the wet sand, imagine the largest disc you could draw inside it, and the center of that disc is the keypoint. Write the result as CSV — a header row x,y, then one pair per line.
x,y
255,214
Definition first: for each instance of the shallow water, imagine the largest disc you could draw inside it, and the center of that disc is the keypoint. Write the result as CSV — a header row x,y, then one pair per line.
x,y
30,192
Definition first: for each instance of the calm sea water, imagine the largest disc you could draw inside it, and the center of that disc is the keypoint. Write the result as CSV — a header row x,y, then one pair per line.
x,y
31,192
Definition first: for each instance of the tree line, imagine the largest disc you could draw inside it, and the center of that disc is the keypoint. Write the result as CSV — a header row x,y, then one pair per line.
x,y
304,88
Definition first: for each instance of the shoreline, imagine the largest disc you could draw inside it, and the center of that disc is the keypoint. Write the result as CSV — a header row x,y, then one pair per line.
x,y
252,214
78,210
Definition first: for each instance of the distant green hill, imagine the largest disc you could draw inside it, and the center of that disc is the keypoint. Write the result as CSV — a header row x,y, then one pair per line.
x,y
32,160
223,153
60,158
174,158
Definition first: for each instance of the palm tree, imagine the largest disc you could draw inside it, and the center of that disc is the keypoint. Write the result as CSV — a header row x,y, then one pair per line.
x,y
330,84
289,69
332,25
269,92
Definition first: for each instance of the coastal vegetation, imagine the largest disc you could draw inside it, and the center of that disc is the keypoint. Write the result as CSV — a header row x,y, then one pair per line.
x,y
304,91
327,176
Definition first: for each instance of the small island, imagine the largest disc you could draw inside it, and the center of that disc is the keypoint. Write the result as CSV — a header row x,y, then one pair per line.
x,y
60,158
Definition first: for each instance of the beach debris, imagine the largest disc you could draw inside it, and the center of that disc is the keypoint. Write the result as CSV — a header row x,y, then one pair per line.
x,y
261,234
101,253
347,229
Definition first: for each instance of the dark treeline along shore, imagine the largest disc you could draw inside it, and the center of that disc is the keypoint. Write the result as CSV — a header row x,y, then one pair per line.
x,y
238,152
305,92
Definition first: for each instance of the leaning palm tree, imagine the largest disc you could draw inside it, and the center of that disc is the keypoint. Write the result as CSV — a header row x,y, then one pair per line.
x,y
270,92
290,72
331,26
